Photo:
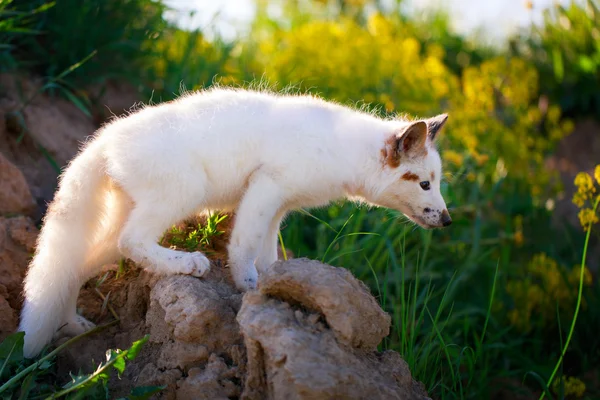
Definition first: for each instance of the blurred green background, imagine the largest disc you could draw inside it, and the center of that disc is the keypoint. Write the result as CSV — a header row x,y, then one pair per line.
x,y
480,310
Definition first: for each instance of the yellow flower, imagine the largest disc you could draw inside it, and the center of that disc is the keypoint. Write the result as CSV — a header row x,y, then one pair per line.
x,y
481,159
585,191
575,275
587,216
535,293
584,182
578,199
573,387
519,238
453,157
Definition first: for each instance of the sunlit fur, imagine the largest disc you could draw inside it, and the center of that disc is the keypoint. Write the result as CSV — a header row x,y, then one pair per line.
x,y
260,154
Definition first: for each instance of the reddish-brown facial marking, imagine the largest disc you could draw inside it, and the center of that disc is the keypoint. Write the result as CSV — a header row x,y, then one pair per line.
x,y
389,154
433,176
409,176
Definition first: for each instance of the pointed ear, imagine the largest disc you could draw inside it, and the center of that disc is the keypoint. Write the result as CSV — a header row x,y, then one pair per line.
x,y
412,140
409,142
435,124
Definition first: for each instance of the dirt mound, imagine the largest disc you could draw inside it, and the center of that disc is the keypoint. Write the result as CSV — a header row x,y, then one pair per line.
x,y
17,242
15,197
208,341
40,133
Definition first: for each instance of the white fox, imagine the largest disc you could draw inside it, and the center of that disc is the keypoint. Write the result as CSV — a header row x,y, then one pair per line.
x,y
260,154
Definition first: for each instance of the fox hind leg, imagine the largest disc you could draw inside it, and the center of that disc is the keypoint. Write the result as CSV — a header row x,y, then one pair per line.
x,y
145,225
116,208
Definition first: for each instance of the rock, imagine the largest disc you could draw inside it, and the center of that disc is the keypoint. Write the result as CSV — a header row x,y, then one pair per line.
x,y
50,130
23,233
208,341
349,308
182,355
53,122
15,196
17,244
213,382
8,316
151,376
195,311
292,357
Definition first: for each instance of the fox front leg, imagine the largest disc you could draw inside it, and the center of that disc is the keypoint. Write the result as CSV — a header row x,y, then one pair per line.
x,y
254,218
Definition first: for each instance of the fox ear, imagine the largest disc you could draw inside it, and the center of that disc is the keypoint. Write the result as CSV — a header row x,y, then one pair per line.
x,y
435,124
412,140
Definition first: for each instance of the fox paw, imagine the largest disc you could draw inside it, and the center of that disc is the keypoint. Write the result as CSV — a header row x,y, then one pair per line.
x,y
76,326
195,264
246,279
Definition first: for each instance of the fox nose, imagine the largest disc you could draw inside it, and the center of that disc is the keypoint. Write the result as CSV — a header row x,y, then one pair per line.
x,y
446,220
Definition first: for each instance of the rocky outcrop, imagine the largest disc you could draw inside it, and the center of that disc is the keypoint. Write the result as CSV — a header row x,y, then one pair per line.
x,y
15,197
292,354
17,242
310,331
41,133
344,301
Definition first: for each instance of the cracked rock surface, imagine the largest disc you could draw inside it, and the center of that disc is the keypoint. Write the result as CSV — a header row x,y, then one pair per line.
x,y
310,331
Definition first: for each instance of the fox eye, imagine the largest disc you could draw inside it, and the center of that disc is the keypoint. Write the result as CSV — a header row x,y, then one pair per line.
x,y
425,185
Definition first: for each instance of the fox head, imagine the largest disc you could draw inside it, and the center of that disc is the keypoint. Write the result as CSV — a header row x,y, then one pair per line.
x,y
412,172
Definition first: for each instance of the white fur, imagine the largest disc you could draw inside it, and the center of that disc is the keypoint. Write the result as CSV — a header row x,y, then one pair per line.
x,y
257,153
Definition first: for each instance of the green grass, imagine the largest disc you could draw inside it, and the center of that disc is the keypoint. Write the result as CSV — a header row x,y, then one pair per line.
x,y
578,306
33,379
198,237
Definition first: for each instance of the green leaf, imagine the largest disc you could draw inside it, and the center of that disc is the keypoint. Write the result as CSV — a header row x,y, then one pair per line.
x,y
557,62
75,66
587,64
45,365
27,385
119,364
144,392
135,348
76,101
11,351
92,391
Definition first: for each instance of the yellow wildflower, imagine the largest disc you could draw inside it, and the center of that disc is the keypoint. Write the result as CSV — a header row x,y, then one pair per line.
x,y
578,199
573,387
535,295
584,183
481,159
586,190
453,157
575,275
587,216
519,238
